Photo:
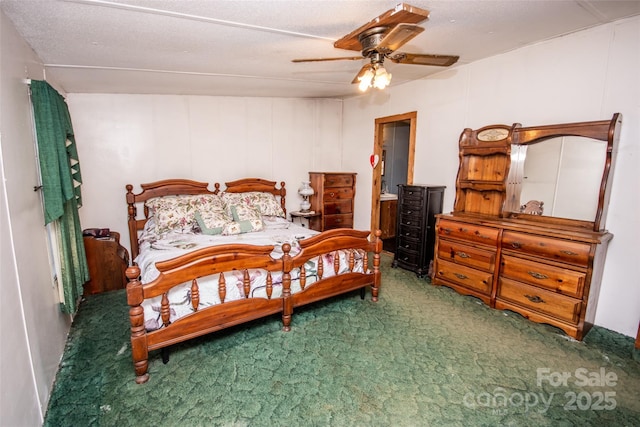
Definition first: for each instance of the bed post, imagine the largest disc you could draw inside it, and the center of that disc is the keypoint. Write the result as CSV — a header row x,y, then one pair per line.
x,y
287,301
283,197
377,275
133,229
139,350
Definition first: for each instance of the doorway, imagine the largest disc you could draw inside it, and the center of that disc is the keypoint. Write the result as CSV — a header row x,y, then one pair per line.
x,y
400,154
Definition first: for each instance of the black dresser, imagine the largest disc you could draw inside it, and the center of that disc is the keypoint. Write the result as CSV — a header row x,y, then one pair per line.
x,y
416,231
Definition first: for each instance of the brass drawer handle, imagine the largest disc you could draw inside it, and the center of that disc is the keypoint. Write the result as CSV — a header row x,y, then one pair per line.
x,y
536,299
568,253
537,275
463,255
446,230
516,245
460,276
332,194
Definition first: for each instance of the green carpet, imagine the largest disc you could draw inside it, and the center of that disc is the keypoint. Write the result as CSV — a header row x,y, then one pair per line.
x,y
421,356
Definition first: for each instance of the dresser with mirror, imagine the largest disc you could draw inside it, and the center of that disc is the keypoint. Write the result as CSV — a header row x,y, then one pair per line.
x,y
527,232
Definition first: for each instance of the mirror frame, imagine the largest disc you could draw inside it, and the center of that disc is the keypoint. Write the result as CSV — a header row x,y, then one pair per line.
x,y
604,130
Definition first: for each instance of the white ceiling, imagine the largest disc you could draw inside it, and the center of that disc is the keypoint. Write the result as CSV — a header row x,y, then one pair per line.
x,y
245,48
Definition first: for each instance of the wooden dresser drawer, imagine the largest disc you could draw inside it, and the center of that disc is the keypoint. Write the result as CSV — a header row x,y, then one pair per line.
x,y
466,255
556,279
338,207
556,249
337,193
538,299
338,221
477,280
469,232
345,180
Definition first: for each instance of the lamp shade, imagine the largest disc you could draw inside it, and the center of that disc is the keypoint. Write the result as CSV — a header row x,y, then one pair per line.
x,y
305,191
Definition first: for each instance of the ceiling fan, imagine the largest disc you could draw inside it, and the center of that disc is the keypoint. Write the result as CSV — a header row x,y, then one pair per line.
x,y
379,39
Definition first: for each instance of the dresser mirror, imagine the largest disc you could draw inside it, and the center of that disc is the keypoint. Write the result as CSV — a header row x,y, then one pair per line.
x,y
563,171
563,174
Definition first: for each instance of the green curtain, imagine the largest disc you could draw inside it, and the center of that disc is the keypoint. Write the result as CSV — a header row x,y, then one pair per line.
x,y
61,180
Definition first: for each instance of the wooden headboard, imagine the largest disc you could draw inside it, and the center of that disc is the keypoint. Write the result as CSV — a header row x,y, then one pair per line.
x,y
175,187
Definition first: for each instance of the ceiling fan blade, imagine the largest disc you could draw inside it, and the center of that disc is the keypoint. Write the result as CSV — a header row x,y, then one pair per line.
x,y
349,58
398,36
363,70
424,59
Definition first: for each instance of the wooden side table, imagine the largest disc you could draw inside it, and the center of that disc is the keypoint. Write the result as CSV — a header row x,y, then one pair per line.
x,y
107,261
304,218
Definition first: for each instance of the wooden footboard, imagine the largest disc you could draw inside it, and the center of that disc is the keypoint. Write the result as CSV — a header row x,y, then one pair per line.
x,y
190,268
237,257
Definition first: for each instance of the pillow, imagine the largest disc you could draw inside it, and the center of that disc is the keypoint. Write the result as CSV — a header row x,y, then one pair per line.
x,y
213,224
245,219
266,203
238,227
208,201
244,212
177,213
172,213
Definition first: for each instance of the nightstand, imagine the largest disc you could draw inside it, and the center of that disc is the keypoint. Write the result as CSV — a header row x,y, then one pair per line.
x,y
305,217
107,261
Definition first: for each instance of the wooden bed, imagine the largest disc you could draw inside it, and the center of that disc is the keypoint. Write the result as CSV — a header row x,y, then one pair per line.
x,y
213,261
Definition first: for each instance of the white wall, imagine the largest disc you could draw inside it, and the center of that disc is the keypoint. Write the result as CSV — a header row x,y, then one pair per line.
x,y
33,330
580,77
134,139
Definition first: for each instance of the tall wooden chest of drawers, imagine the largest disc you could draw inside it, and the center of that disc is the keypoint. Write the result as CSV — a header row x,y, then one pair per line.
x,y
415,231
333,199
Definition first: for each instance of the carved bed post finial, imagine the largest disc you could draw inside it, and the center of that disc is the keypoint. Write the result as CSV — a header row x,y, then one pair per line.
x,y
139,351
287,301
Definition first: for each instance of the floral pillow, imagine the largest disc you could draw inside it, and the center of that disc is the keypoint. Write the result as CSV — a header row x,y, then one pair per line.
x,y
177,213
245,219
212,221
266,203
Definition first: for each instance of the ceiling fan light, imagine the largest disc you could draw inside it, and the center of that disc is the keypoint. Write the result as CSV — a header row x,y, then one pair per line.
x,y
382,78
365,80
